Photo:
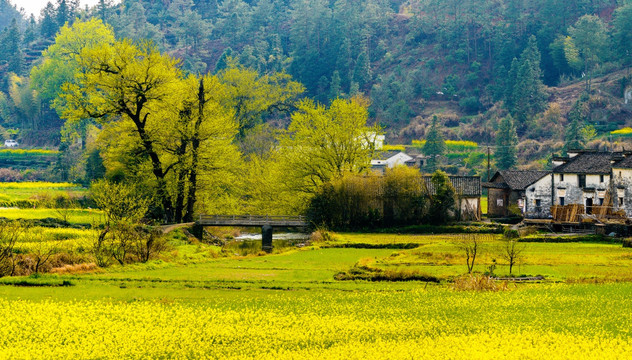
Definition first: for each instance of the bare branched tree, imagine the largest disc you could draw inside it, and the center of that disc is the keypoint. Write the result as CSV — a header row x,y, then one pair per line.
x,y
470,245
10,231
511,251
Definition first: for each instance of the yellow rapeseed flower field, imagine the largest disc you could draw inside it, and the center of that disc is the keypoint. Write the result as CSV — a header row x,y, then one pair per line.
x,y
551,322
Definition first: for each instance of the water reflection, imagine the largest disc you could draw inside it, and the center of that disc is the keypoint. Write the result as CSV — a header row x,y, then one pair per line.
x,y
246,244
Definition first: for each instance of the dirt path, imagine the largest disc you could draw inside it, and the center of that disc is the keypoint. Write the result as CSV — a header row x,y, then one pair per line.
x,y
169,228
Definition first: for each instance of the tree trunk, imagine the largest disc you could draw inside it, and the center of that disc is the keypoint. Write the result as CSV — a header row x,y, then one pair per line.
x,y
157,170
195,147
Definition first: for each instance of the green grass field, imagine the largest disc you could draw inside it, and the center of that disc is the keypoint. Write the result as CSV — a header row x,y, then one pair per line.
x,y
37,193
197,301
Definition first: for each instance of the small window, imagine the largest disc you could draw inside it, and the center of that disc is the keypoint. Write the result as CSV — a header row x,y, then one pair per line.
x,y
619,173
562,200
620,201
600,178
538,205
600,201
582,180
561,177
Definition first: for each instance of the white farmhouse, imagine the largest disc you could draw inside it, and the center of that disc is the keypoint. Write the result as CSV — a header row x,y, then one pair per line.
x,y
582,178
390,159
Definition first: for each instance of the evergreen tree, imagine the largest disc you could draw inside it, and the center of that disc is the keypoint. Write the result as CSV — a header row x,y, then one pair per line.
x,y
506,141
573,136
222,62
334,86
434,147
362,70
63,13
525,95
30,34
14,49
48,24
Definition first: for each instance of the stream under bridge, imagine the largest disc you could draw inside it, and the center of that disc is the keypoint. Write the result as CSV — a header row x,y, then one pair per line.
x,y
266,222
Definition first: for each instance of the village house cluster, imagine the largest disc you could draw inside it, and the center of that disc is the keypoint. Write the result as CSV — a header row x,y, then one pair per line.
x,y
587,178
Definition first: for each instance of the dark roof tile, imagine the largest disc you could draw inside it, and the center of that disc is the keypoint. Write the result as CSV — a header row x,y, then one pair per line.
x,y
517,179
588,163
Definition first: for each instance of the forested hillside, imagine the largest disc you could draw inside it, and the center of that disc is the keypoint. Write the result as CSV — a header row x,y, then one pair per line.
x,y
470,62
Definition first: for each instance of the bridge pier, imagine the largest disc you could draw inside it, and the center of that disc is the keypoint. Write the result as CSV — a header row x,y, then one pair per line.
x,y
266,238
198,231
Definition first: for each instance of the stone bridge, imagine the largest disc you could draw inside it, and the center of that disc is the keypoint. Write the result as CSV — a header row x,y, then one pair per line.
x,y
267,223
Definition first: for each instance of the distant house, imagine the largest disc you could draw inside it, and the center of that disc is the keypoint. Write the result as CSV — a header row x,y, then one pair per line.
x,y
527,191
583,177
468,195
390,159
622,187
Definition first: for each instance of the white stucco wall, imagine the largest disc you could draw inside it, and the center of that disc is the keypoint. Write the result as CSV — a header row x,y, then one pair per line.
x,y
540,190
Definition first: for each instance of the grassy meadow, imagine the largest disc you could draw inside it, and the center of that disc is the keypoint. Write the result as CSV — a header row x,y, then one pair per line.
x,y
197,302
203,300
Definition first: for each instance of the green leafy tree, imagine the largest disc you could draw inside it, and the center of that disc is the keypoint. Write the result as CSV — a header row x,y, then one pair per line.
x,y
506,141
622,32
434,148
171,120
442,199
587,45
322,143
252,96
61,60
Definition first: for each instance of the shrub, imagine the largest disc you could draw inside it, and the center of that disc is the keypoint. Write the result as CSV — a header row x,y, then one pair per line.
x,y
10,175
471,282
363,272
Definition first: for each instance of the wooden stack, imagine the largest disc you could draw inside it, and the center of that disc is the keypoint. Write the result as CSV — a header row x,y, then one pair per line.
x,y
567,213
576,213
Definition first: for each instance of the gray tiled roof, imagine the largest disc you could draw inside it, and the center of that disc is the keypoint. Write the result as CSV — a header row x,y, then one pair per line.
x,y
626,163
469,186
516,179
588,163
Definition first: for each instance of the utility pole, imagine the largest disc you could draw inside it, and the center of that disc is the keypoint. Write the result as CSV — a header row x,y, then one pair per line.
x,y
488,166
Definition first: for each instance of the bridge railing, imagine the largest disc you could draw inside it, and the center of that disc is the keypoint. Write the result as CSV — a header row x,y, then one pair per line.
x,y
271,218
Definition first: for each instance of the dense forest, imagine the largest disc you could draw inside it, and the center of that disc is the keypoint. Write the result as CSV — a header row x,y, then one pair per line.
x,y
525,78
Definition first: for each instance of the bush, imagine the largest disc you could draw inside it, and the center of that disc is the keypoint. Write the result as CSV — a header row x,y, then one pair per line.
x,y
360,272
478,283
470,105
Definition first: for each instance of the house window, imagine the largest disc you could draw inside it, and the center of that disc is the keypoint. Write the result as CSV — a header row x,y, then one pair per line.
x,y
538,205
561,177
620,202
582,180
600,201
600,178
589,205
562,200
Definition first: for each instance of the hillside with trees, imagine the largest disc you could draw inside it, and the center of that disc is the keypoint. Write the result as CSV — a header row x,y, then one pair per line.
x,y
558,70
